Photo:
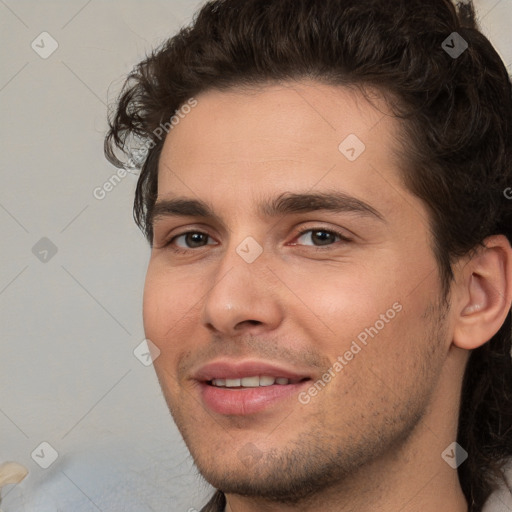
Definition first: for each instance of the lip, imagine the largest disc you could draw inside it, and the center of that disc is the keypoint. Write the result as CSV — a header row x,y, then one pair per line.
x,y
226,369
241,402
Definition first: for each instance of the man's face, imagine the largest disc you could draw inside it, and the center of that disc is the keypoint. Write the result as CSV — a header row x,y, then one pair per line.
x,y
274,285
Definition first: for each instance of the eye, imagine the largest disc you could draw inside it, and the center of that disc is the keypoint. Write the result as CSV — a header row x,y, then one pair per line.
x,y
319,237
190,240
316,237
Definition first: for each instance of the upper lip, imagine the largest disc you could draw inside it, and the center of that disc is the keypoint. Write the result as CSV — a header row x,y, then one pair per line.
x,y
226,369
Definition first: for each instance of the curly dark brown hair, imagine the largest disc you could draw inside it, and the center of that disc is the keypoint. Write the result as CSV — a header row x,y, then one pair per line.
x,y
456,115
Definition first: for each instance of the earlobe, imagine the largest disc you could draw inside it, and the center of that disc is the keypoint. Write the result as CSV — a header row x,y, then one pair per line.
x,y
486,294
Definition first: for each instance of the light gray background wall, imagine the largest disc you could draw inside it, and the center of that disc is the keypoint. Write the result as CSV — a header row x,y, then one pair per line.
x,y
70,321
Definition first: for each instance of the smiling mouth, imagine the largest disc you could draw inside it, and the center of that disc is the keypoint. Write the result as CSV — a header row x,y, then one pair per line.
x,y
236,395
253,382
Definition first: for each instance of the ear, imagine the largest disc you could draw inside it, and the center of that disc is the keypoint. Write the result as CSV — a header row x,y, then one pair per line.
x,y
484,293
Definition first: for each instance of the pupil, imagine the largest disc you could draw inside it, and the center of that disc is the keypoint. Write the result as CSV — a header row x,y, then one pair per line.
x,y
194,238
323,237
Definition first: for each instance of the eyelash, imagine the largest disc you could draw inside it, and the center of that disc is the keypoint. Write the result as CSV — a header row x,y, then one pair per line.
x,y
342,237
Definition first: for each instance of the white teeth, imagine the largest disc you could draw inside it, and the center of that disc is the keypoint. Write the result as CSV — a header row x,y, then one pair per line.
x,y
267,381
250,382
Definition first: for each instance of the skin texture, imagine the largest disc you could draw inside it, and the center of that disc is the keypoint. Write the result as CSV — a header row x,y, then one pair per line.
x,y
372,438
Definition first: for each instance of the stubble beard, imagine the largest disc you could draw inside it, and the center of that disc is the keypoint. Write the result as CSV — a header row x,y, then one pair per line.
x,y
318,460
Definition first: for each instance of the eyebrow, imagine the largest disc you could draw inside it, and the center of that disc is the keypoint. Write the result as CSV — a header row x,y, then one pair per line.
x,y
286,203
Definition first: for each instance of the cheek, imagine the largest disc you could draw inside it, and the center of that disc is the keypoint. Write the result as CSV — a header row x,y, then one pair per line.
x,y
169,298
378,305
168,309
336,302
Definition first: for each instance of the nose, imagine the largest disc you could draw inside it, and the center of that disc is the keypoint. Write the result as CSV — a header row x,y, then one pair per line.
x,y
243,298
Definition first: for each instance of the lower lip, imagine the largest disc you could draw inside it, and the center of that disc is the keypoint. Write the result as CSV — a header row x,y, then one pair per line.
x,y
241,402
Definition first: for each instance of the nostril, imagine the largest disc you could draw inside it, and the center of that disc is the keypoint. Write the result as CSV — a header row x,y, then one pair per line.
x,y
248,322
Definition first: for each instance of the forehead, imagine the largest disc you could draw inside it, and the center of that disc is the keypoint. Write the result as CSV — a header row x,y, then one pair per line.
x,y
299,113
280,137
